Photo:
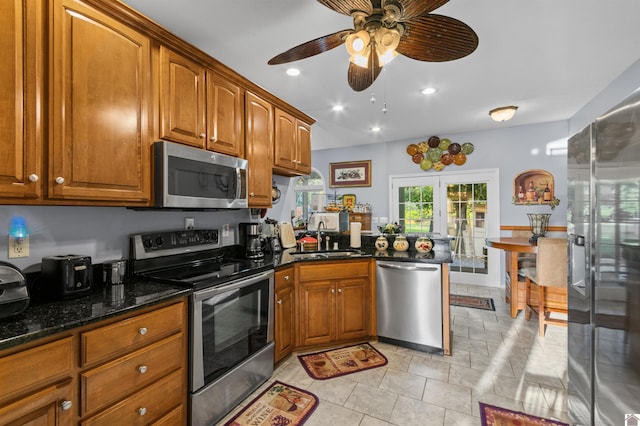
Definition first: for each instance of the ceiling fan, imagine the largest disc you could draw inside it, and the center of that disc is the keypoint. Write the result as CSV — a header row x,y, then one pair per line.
x,y
384,28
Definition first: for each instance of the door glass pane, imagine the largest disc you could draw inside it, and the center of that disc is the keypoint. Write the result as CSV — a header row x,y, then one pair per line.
x,y
466,220
415,205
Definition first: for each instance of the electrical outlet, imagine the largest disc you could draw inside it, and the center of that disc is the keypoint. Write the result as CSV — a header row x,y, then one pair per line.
x,y
383,220
189,223
374,219
225,230
18,247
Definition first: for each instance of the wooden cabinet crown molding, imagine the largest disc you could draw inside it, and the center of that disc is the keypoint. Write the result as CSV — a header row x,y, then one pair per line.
x,y
141,23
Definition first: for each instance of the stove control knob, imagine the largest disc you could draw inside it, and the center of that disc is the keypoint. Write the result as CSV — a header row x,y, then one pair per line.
x,y
206,236
147,243
159,241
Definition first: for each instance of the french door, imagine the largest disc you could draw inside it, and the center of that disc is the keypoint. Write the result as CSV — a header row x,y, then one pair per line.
x,y
463,206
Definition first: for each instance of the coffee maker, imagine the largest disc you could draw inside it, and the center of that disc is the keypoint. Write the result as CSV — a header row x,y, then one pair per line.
x,y
250,235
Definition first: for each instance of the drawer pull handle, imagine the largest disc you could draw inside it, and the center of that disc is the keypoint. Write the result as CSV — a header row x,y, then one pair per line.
x,y
142,369
142,411
142,331
279,302
66,405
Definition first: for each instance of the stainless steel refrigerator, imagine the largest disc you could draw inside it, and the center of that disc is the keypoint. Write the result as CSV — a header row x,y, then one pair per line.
x,y
603,214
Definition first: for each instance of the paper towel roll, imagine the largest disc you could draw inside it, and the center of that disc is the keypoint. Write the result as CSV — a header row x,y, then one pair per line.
x,y
354,230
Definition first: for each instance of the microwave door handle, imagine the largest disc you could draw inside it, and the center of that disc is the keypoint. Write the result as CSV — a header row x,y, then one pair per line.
x,y
238,189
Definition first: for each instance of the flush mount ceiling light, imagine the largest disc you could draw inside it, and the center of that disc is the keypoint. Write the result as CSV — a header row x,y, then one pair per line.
x,y
503,113
429,91
337,108
383,29
375,129
293,72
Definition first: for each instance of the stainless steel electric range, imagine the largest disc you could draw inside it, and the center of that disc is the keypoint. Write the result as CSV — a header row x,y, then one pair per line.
x,y
231,314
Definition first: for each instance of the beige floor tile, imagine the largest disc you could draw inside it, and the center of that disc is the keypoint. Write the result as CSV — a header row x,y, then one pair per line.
x,y
453,418
372,401
409,412
372,421
430,368
447,395
403,383
398,360
329,414
335,390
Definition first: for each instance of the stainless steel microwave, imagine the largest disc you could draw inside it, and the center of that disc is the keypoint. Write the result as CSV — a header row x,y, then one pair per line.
x,y
187,177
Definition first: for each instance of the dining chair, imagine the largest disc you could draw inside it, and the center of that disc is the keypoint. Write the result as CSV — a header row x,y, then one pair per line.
x,y
550,277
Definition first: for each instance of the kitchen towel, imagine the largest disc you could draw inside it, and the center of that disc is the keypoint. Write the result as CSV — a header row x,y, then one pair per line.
x,y
354,230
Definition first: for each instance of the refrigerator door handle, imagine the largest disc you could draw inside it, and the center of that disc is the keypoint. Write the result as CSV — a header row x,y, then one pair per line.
x,y
577,271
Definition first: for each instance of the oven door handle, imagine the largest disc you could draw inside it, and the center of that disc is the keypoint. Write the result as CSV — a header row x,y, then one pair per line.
x,y
239,283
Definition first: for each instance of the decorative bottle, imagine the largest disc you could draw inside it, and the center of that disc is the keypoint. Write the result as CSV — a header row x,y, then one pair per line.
x,y
531,191
546,196
520,194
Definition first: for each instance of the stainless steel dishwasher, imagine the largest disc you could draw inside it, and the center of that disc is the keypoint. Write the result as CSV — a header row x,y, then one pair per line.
x,y
409,304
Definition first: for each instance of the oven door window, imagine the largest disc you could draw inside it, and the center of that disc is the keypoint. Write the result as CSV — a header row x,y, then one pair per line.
x,y
189,178
235,325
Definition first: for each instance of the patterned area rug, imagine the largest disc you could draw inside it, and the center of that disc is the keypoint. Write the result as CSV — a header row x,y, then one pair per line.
x,y
279,405
485,303
496,416
338,362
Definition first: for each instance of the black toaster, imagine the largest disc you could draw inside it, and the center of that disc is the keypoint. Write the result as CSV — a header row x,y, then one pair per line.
x,y
66,276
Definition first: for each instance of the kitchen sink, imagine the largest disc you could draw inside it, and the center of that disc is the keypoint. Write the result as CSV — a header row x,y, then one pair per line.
x,y
326,254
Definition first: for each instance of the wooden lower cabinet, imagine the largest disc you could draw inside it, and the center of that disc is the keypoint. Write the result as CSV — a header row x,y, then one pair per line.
x,y
284,313
335,302
138,377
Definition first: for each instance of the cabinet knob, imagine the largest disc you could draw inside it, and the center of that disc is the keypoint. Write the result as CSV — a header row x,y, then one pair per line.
x,y
252,194
333,290
34,177
212,139
279,302
339,290
59,180
142,369
142,411
142,331
66,405
286,277
202,136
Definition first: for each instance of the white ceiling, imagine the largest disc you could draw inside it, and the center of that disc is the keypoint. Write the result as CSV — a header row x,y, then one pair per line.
x,y
549,57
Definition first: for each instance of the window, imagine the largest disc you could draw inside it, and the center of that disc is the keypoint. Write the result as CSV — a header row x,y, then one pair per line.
x,y
310,197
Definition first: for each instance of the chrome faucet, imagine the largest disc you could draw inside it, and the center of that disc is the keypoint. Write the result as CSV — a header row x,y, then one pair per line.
x,y
321,225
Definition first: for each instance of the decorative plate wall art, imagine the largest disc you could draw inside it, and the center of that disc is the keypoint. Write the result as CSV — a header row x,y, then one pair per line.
x,y
436,154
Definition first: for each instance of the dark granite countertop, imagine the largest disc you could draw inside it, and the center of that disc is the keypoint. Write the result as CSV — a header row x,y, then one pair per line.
x,y
43,319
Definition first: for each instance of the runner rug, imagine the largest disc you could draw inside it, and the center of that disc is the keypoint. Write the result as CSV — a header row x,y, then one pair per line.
x,y
280,404
485,303
338,362
496,416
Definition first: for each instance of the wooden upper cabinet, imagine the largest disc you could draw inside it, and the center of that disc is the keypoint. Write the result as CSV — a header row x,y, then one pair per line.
x,y
259,140
182,99
225,116
292,145
100,84
21,78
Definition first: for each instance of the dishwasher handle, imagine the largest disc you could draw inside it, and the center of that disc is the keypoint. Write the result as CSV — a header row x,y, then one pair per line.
x,y
408,268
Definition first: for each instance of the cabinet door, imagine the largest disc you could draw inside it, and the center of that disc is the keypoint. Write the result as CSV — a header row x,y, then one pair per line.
x,y
259,140
182,101
284,147
21,83
49,406
225,116
100,81
303,144
352,308
284,321
317,312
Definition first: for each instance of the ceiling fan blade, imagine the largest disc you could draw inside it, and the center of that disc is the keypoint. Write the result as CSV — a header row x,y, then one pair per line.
x,y
360,78
414,8
311,48
347,7
437,38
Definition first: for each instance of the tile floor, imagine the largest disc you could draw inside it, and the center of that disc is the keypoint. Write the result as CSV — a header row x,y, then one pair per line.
x,y
496,360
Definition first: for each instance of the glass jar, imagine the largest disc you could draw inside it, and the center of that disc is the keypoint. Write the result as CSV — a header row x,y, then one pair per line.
x,y
401,243
382,243
423,244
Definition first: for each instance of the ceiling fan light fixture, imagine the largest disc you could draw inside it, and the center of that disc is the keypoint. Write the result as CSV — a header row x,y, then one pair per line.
x,y
387,40
503,113
357,43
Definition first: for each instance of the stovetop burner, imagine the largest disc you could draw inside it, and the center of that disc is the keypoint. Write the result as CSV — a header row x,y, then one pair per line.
x,y
192,258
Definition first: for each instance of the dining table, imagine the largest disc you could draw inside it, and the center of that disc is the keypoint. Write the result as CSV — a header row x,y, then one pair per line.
x,y
514,289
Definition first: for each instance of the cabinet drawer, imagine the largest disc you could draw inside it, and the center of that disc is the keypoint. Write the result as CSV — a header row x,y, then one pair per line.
x,y
145,407
38,365
283,278
123,336
331,270
106,384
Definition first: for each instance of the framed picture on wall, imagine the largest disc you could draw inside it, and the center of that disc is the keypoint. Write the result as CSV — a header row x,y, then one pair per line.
x,y
350,173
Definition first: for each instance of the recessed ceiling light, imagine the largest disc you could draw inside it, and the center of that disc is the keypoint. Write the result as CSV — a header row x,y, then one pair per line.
x,y
338,108
428,91
293,72
375,129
